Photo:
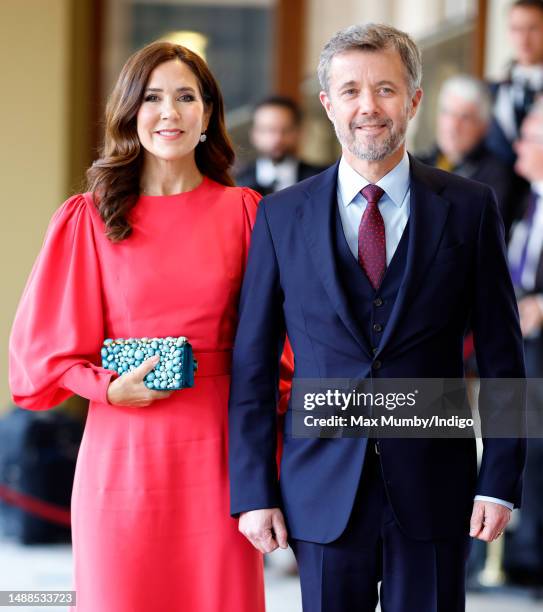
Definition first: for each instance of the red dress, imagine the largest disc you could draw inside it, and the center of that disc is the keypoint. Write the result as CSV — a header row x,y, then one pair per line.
x,y
150,504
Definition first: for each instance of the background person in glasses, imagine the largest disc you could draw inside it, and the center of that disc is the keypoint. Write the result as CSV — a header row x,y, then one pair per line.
x,y
464,114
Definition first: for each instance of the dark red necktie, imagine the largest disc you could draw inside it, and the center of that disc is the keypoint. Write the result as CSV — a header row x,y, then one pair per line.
x,y
371,237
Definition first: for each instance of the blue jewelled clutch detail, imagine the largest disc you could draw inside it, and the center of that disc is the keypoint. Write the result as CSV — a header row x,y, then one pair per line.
x,y
176,367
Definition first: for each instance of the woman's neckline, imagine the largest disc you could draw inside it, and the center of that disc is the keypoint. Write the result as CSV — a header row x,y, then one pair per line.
x,y
175,196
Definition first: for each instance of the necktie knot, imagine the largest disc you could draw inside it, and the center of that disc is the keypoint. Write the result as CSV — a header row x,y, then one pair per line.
x,y
372,193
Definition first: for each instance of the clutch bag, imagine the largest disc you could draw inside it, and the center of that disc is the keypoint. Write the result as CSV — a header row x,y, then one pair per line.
x,y
174,371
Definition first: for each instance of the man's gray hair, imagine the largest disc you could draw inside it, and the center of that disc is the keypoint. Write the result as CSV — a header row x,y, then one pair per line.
x,y
470,89
372,37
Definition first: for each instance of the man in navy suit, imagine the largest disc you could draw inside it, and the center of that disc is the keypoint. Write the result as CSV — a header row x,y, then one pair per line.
x,y
374,268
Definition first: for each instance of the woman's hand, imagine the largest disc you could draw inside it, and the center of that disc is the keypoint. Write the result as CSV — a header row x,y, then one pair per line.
x,y
130,390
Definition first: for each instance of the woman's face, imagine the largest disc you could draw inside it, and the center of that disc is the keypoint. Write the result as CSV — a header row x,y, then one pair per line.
x,y
172,115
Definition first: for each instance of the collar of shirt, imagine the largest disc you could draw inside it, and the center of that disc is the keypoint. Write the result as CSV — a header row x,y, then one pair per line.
x,y
537,187
283,173
532,75
395,184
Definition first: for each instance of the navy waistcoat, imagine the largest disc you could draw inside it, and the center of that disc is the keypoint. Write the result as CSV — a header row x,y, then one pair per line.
x,y
371,308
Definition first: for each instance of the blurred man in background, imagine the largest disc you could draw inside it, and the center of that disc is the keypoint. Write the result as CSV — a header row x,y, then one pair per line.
x,y
275,134
463,117
514,97
524,545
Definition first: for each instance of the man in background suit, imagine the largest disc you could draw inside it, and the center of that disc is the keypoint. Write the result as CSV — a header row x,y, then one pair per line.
x,y
514,96
524,544
374,267
463,116
275,135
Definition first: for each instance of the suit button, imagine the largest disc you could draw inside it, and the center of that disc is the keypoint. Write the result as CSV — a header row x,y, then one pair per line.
x,y
376,365
374,350
377,327
378,302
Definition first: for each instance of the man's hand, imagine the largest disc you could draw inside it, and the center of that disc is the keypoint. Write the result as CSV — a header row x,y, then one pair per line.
x,y
488,520
531,314
265,529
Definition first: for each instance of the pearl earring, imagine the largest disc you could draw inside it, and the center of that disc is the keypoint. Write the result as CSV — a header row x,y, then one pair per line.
x,y
203,137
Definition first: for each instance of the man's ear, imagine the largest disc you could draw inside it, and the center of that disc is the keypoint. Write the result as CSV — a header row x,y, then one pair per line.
x,y
325,101
415,102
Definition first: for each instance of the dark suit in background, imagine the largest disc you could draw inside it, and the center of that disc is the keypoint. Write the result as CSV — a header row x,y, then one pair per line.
x,y
248,176
513,99
485,167
275,135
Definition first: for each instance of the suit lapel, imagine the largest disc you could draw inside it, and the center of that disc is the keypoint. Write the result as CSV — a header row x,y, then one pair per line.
x,y
316,218
428,214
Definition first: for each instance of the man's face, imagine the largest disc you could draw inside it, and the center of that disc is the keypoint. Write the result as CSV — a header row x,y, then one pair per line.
x,y
369,102
460,127
526,34
529,149
275,133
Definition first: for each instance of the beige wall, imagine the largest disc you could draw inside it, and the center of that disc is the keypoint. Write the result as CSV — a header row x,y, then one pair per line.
x,y
34,39
325,18
497,52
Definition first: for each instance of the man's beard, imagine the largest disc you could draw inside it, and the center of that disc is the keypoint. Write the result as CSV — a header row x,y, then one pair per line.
x,y
372,149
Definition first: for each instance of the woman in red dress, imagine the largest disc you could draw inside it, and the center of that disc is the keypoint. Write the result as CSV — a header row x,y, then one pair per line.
x,y
157,247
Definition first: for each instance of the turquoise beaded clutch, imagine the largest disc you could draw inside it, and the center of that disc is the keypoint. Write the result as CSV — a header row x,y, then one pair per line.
x,y
174,371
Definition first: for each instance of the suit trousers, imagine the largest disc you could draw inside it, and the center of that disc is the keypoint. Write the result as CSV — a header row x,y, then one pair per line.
x,y
414,576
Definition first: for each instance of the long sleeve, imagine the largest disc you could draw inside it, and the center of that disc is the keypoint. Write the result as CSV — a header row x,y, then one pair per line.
x,y
255,373
251,200
498,346
59,325
286,363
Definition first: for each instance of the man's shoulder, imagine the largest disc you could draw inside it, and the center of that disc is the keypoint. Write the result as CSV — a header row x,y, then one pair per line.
x,y
447,183
467,198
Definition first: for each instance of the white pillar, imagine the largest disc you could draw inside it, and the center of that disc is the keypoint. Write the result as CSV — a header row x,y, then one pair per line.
x,y
418,17
325,17
498,49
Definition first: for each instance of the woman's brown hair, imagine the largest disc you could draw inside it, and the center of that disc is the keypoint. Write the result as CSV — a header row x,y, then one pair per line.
x,y
114,178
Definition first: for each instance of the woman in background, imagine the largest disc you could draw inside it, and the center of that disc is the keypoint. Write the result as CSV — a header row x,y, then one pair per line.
x,y
157,247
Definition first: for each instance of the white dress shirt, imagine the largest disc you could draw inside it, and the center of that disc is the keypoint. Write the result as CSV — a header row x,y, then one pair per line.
x,y
510,93
394,207
281,175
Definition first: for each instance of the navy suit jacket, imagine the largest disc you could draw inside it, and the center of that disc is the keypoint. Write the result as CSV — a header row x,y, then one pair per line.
x,y
456,274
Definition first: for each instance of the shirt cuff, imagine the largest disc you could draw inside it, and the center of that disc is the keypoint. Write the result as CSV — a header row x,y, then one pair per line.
x,y
539,298
89,381
495,500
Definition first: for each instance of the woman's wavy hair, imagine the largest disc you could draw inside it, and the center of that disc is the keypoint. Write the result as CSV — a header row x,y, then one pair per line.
x,y
114,177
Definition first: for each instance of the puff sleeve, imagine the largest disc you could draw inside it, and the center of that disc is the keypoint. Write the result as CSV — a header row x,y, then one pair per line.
x,y
59,325
286,366
250,199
